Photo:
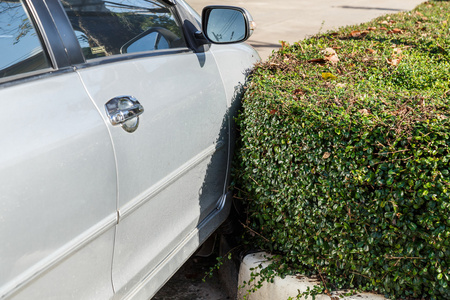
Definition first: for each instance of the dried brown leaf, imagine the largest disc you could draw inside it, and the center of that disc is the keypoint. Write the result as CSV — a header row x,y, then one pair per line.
x,y
355,33
364,111
397,51
317,61
394,62
329,52
332,58
298,92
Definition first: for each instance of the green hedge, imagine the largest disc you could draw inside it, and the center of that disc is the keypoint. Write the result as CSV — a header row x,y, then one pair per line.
x,y
344,155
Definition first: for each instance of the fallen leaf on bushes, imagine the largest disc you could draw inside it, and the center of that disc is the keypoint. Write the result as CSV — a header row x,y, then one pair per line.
x,y
383,28
298,92
395,31
384,22
326,155
419,13
363,111
355,33
328,76
273,111
329,51
332,58
317,61
394,62
369,50
372,28
397,50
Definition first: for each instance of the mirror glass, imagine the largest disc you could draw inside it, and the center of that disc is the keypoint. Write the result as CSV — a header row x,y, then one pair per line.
x,y
226,26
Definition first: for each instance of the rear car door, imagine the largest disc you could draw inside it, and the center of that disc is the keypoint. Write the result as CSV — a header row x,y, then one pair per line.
x,y
172,162
57,167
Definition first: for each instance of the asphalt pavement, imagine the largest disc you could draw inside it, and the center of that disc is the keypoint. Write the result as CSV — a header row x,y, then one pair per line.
x,y
294,20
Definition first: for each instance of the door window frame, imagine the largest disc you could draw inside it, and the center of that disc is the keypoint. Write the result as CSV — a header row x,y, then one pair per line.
x,y
74,50
52,45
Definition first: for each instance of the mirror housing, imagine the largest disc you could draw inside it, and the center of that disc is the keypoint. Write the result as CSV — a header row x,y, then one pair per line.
x,y
226,24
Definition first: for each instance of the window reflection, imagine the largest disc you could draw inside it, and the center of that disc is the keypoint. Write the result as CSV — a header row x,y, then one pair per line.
x,y
106,28
21,47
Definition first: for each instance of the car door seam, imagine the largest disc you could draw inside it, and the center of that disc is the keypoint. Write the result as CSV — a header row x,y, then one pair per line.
x,y
228,105
117,174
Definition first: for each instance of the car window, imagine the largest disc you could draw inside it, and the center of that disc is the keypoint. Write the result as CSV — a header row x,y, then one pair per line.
x,y
105,28
21,47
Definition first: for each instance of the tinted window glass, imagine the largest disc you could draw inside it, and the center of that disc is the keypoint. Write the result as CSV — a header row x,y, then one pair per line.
x,y
21,49
106,28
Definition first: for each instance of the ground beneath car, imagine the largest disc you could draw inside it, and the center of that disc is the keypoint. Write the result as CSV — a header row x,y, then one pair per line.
x,y
187,283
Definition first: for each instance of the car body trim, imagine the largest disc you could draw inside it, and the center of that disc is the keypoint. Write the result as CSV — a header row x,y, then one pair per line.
x,y
199,234
124,57
168,180
57,257
66,32
31,76
48,33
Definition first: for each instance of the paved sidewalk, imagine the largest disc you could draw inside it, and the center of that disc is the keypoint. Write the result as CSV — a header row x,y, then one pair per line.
x,y
293,20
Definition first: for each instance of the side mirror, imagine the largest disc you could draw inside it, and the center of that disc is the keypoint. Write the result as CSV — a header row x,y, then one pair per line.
x,y
226,24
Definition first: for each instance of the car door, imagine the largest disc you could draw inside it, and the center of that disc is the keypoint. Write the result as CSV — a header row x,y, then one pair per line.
x,y
172,161
57,168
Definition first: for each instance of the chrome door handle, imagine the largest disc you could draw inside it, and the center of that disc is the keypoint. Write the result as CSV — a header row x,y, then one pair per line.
x,y
124,111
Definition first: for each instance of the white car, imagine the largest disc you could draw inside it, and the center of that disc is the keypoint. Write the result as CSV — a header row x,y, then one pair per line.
x,y
115,143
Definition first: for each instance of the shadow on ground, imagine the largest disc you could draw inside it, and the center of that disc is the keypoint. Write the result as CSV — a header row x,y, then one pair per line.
x,y
187,283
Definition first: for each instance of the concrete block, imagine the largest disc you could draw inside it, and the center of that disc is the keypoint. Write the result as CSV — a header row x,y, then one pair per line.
x,y
282,289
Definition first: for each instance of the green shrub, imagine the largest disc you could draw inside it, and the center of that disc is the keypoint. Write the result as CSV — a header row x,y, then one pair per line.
x,y
344,155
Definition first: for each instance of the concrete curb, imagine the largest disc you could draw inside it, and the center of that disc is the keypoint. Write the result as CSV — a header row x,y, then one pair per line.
x,y
282,289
